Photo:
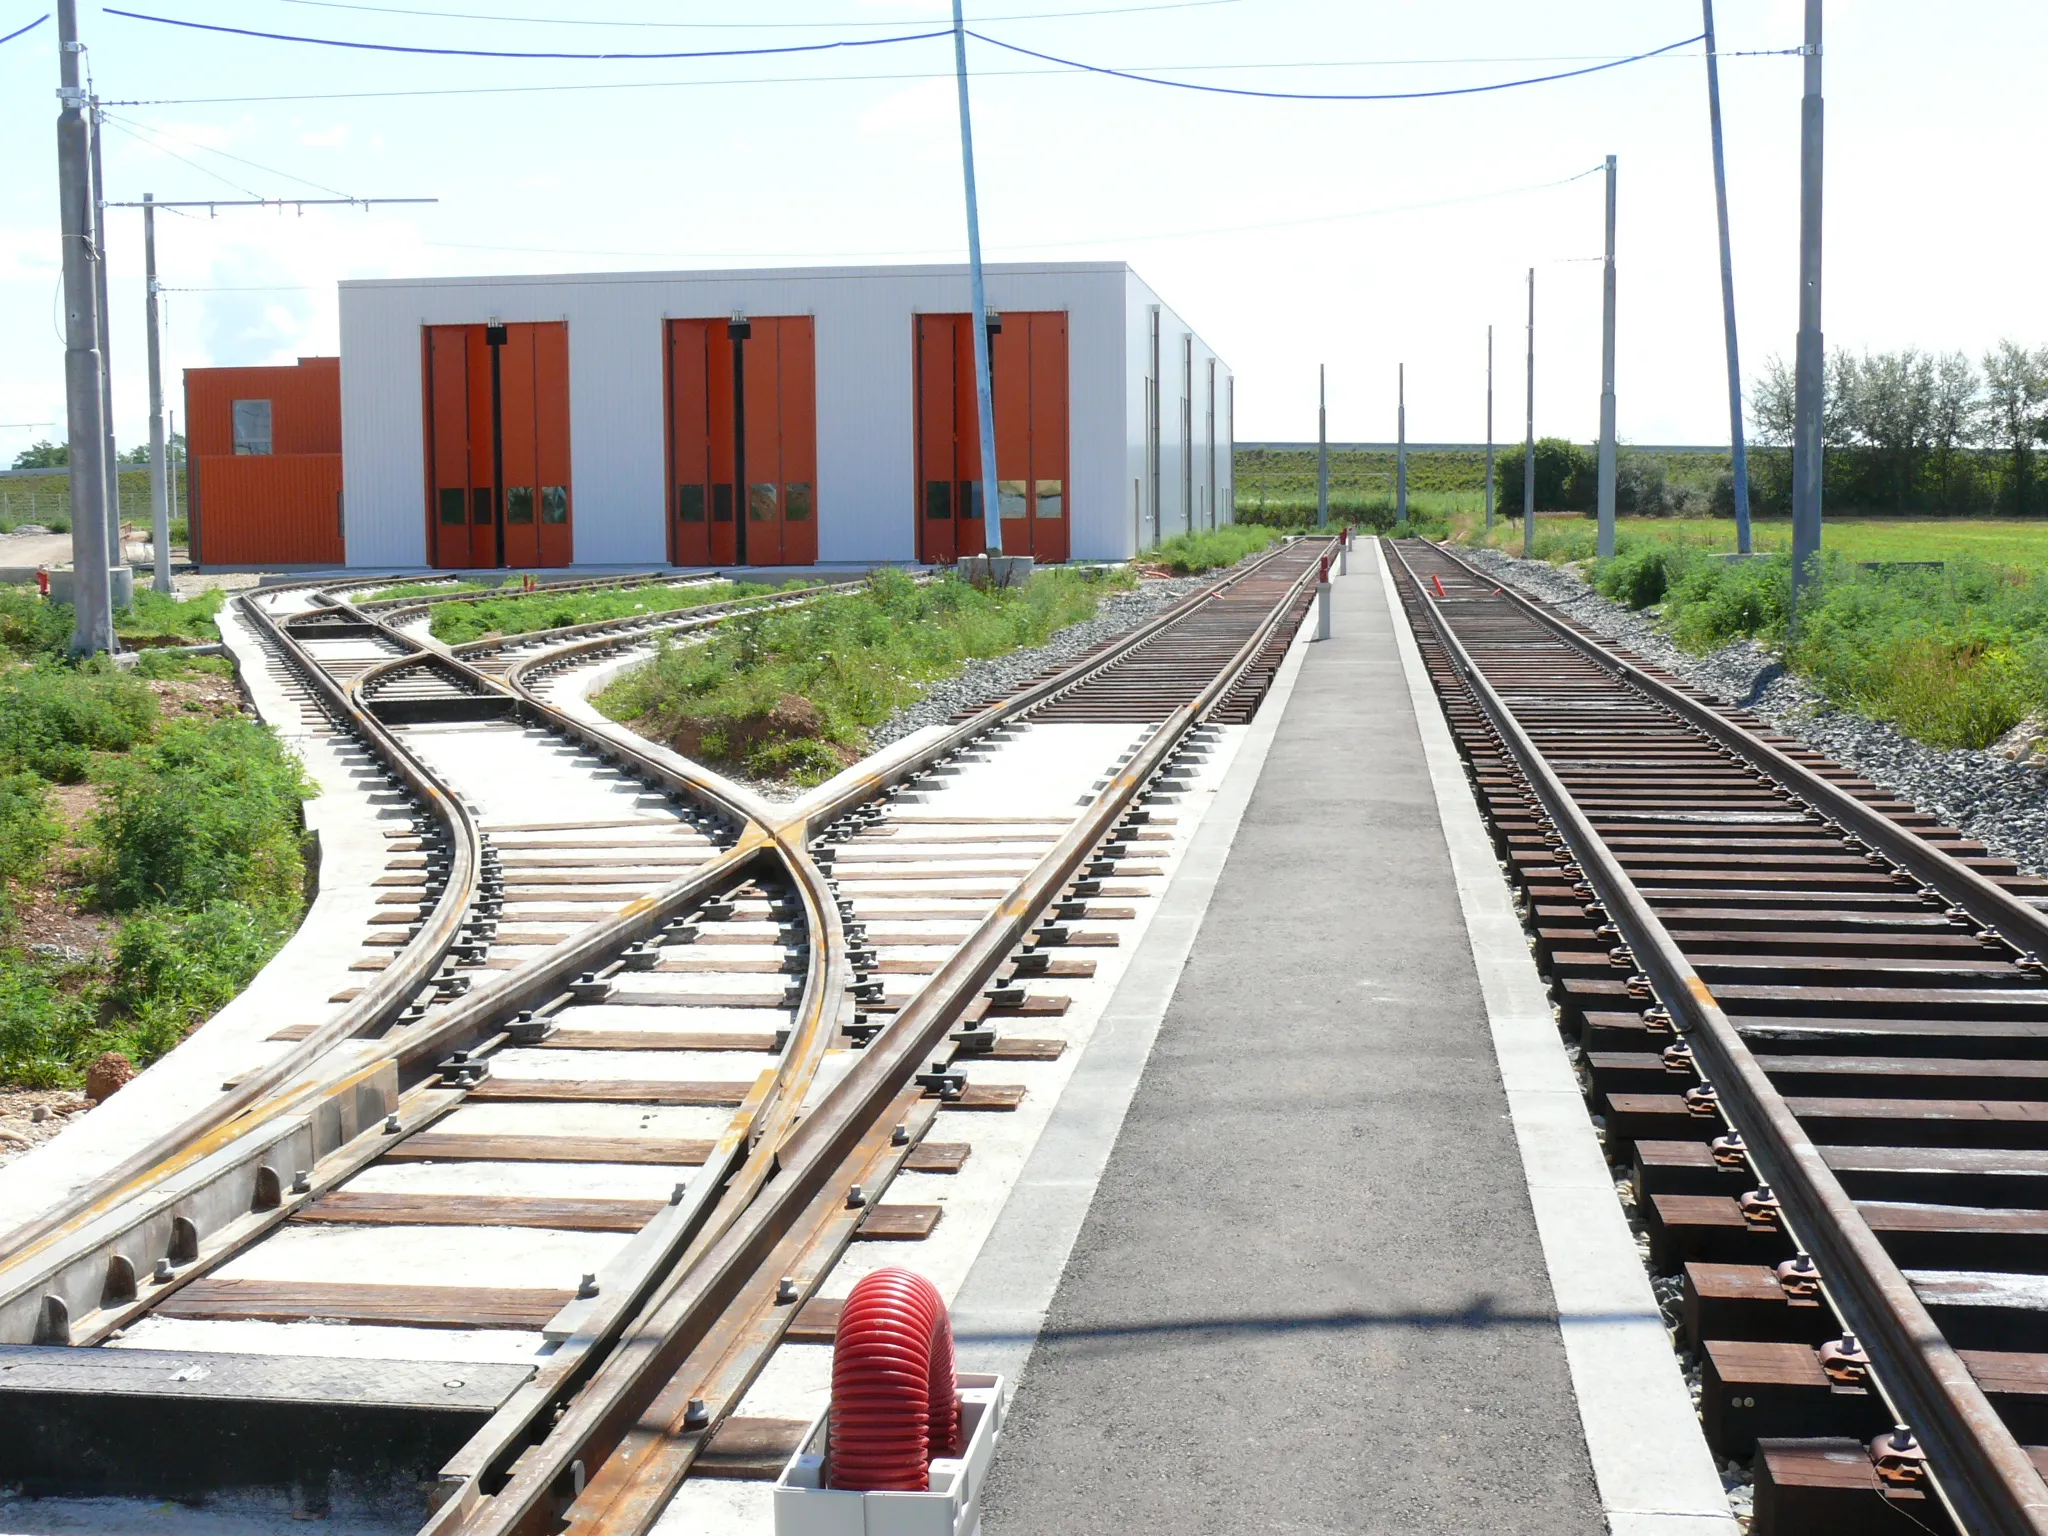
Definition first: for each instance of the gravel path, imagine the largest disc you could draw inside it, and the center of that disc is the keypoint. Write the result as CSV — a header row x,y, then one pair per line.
x,y
982,680
1984,793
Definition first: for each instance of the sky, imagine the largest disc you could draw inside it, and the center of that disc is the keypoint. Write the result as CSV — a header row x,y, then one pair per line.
x,y
1360,235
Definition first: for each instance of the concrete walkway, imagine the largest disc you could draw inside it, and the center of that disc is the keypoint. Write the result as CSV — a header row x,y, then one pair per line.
x,y
1310,1294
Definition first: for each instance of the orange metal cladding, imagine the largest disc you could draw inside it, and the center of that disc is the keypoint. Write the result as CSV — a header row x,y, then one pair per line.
x,y
1030,366
530,437
277,508
781,448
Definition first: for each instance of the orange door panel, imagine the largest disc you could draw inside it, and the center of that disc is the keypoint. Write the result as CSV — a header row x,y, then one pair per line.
x,y
796,366
778,500
689,444
936,488
1030,367
1010,360
519,500
1048,479
557,509
497,420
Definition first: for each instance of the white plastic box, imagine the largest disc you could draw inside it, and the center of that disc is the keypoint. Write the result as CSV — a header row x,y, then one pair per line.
x,y
952,1507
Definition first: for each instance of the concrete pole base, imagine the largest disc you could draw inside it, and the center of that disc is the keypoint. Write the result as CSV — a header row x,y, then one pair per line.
x,y
997,570
121,579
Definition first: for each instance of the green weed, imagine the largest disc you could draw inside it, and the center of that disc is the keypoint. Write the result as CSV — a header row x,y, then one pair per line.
x,y
207,812
457,622
1189,554
53,717
792,693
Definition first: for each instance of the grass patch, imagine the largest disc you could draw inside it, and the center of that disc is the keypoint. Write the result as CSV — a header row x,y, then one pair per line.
x,y
1954,657
160,619
196,853
792,694
424,589
458,622
1189,554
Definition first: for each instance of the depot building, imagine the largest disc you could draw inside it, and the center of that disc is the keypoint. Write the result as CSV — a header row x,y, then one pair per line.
x,y
786,417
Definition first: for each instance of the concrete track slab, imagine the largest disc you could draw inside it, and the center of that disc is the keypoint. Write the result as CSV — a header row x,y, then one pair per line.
x,y
1310,1294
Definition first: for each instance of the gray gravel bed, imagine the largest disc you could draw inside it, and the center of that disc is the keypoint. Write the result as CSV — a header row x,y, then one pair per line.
x,y
2001,802
982,680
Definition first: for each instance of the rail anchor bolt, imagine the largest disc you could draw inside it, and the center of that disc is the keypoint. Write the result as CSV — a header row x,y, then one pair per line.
x,y
1898,1458
587,1288
785,1291
695,1414
1844,1362
1799,1277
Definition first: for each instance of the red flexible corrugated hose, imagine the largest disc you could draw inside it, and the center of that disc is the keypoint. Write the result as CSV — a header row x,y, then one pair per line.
x,y
894,1403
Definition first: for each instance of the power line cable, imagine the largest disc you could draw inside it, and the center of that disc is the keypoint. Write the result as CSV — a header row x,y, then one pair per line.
x,y
1233,90
751,26
511,53
203,170
17,32
1039,245
253,165
698,84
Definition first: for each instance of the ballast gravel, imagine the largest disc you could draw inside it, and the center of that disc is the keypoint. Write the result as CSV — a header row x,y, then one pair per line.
x,y
2002,803
981,681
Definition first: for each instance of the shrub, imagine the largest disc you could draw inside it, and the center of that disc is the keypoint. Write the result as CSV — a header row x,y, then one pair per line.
x,y
172,969
209,811
27,829
53,716
48,1021
32,625
1640,574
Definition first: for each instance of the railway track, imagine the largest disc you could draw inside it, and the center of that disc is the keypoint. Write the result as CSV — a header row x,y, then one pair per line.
x,y
551,1216
1813,1024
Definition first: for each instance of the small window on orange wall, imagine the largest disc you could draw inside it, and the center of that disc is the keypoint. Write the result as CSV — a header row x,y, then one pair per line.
x,y
252,426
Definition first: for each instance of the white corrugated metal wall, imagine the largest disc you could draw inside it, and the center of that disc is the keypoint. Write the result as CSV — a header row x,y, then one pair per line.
x,y
1172,481
866,438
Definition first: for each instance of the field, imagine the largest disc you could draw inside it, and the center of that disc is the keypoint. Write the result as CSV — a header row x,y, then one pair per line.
x,y
2015,543
46,499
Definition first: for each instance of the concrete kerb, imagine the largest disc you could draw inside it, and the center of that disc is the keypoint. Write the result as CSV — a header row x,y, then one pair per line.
x,y
1650,1460
1001,1308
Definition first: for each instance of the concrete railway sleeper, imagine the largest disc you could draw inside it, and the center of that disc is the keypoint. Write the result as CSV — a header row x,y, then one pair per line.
x,y
667,1108
1814,1021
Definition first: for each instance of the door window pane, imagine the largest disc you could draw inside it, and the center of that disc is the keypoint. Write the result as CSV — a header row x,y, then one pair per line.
x,y
796,503
554,503
690,503
721,503
519,504
453,506
761,502
1052,500
252,426
1011,494
480,506
970,498
938,498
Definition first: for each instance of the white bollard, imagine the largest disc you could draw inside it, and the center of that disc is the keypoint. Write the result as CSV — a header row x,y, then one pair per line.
x,y
1344,554
1322,610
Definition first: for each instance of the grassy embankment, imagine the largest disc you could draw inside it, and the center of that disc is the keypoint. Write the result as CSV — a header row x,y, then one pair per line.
x,y
150,841
793,694
1954,657
523,612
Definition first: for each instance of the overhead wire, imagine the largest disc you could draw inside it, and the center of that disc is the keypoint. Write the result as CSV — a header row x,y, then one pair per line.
x,y
1043,245
203,170
891,76
514,53
18,31
253,165
1234,90
752,26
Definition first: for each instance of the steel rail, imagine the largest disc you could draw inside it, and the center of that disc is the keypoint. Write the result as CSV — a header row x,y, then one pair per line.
x,y
2022,925
1981,1469
593,1425
200,1135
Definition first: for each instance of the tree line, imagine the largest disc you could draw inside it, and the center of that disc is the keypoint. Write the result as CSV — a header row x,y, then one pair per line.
x,y
1901,431
1913,431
